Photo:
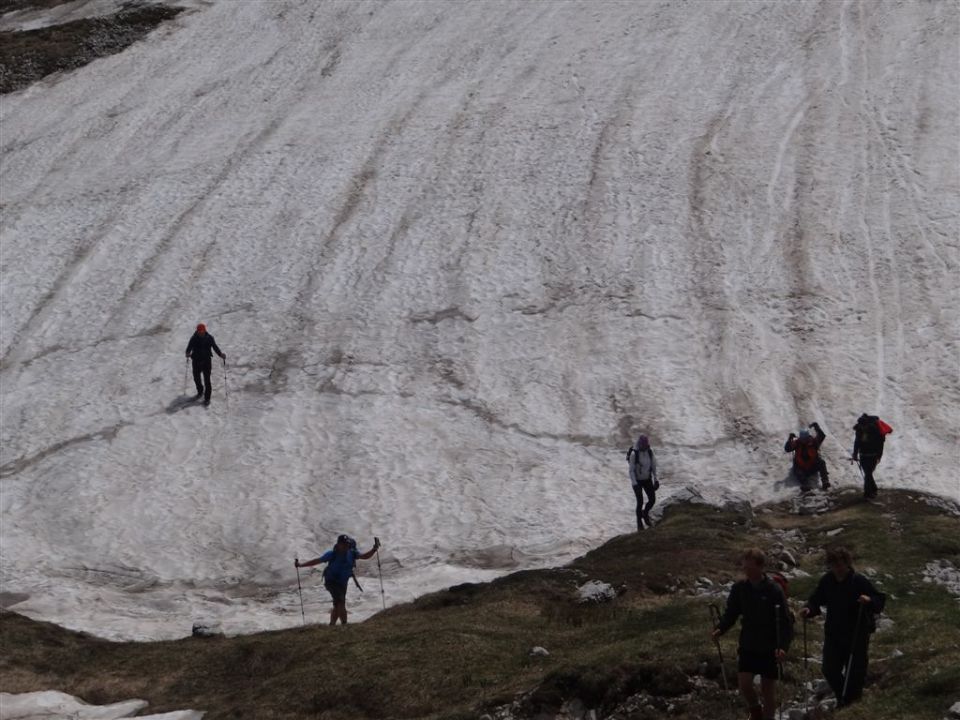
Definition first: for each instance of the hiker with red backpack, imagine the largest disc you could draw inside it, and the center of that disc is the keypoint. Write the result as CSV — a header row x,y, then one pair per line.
x,y
766,631
871,432
806,456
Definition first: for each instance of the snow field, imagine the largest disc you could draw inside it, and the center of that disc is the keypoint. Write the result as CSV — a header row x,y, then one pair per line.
x,y
458,254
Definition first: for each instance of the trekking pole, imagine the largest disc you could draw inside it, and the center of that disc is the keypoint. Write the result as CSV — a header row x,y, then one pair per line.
x,y
296,564
226,396
853,646
779,667
806,671
383,596
715,619
186,364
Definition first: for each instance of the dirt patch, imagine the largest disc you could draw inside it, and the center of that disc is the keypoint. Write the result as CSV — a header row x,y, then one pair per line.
x,y
30,55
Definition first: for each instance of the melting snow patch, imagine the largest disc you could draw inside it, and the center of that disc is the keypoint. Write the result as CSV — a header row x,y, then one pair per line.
x,y
51,705
942,572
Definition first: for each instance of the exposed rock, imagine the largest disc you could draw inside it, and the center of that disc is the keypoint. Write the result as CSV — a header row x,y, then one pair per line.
x,y
206,629
596,591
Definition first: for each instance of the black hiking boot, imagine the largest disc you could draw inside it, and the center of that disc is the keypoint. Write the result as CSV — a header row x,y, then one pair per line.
x,y
198,396
206,402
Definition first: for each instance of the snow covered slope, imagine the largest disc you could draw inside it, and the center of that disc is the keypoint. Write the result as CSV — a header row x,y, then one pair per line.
x,y
458,254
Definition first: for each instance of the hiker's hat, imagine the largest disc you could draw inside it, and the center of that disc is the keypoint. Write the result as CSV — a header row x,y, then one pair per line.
x,y
201,328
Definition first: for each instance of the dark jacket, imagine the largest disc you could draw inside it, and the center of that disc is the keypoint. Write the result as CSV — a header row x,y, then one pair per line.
x,y
805,453
840,600
757,609
868,440
200,346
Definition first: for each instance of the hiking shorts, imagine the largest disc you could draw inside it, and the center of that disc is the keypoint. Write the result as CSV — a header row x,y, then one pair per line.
x,y
762,664
338,591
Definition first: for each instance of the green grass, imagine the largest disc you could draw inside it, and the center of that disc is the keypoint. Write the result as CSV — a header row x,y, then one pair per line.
x,y
458,652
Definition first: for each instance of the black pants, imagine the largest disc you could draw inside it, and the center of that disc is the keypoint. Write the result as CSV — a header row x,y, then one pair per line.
x,y
836,655
868,464
644,486
820,468
201,366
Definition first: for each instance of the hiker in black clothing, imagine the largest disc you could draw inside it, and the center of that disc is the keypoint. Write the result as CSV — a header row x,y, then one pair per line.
x,y
643,478
852,604
762,608
806,456
200,349
871,433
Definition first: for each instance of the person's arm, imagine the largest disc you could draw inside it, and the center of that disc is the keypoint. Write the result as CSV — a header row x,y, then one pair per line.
x,y
370,553
868,595
653,465
816,601
730,614
316,561
856,442
786,627
213,344
791,443
190,345
821,435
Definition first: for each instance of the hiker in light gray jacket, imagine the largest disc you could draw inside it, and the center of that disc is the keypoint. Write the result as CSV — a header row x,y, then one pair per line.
x,y
643,478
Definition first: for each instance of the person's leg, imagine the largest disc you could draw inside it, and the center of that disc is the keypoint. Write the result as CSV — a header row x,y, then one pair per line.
x,y
749,694
197,369
334,596
834,657
768,690
651,499
824,475
206,380
858,671
869,464
639,493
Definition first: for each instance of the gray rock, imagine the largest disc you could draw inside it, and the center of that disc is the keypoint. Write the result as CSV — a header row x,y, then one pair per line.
x,y
539,651
787,557
206,629
954,711
595,591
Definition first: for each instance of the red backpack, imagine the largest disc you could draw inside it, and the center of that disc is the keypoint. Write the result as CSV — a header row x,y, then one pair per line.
x,y
805,454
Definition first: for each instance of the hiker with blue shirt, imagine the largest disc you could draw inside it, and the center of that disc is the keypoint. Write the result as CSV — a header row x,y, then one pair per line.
x,y
336,576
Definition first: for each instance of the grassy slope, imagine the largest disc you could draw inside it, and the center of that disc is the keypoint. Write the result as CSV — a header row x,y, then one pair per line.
x,y
453,653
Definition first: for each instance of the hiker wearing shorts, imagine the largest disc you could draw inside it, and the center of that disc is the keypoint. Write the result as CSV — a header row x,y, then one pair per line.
x,y
340,560
765,633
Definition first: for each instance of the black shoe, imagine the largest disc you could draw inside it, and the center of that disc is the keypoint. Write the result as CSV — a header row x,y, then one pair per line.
x,y
206,402
199,395
825,486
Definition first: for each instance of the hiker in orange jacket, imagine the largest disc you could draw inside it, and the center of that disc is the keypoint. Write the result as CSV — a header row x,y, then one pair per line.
x,y
806,456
